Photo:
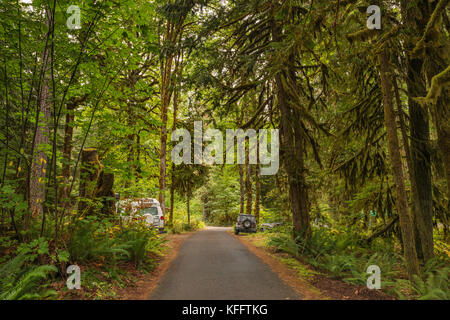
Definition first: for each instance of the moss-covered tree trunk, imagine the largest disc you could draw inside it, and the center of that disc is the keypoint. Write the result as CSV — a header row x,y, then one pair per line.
x,y
406,224
292,146
415,17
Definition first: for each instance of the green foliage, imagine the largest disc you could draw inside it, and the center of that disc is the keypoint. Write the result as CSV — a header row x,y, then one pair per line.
x,y
89,243
284,243
20,280
433,284
222,196
388,262
179,223
338,264
103,242
139,241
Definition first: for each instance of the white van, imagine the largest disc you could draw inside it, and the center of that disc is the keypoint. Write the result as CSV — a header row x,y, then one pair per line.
x,y
146,208
151,210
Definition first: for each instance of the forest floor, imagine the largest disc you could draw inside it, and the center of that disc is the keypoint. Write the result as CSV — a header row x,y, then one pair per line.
x,y
305,278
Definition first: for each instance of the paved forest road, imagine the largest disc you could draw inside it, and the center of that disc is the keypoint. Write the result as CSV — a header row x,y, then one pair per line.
x,y
212,264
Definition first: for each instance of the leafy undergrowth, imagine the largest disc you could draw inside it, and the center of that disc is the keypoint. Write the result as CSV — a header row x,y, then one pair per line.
x,y
101,282
343,260
108,254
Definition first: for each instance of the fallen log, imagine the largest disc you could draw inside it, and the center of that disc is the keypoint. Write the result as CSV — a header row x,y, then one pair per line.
x,y
383,230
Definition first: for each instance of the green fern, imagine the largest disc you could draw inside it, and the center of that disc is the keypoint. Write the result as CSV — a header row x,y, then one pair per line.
x,y
284,243
339,264
18,282
435,285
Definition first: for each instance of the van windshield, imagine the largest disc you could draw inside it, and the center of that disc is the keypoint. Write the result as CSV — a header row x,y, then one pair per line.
x,y
151,210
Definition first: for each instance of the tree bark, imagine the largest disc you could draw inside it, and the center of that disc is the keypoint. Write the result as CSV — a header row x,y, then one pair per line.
x,y
416,18
179,67
67,150
415,204
397,167
248,182
241,188
42,133
188,204
257,187
292,146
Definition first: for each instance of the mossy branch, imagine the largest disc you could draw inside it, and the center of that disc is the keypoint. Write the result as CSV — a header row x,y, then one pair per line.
x,y
439,82
362,35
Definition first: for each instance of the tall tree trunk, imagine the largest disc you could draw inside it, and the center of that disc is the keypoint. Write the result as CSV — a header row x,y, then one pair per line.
x,y
241,188
415,204
42,133
166,93
172,35
163,155
67,150
172,194
415,18
179,68
248,182
437,51
205,207
292,145
138,157
188,204
397,167
257,186
293,151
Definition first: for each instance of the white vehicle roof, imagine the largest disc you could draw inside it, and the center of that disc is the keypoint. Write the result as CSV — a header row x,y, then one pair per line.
x,y
150,200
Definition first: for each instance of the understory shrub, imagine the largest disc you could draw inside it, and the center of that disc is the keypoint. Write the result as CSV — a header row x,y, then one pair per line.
x,y
102,241
283,242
